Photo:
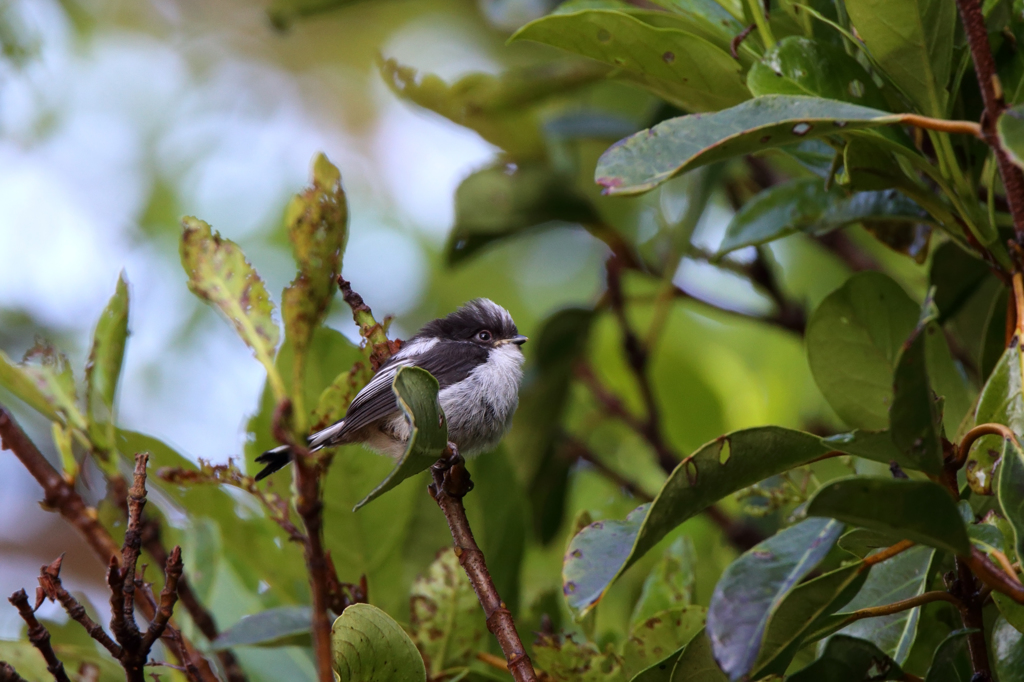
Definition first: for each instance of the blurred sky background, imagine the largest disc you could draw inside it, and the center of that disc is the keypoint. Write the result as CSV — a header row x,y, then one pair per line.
x,y
117,117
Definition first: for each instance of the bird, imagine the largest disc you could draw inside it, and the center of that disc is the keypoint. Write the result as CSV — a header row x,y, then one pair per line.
x,y
476,356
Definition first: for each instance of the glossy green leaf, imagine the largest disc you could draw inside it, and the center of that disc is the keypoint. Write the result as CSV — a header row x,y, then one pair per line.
x,y
445,622
670,584
219,273
1000,402
752,588
566,660
1010,127
369,646
103,369
266,627
416,390
643,161
1010,488
1007,652
508,199
915,419
902,577
721,467
853,341
848,659
316,222
660,637
956,275
806,615
499,108
921,511
681,67
44,381
696,663
952,660
804,205
913,42
1010,610
802,66
593,555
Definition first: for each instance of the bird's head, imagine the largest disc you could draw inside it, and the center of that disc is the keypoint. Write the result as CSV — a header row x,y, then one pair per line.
x,y
480,321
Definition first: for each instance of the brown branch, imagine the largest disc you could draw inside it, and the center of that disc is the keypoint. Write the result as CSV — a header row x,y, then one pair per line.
x,y
992,96
381,348
451,484
904,605
39,636
966,588
53,589
168,597
130,551
993,576
9,674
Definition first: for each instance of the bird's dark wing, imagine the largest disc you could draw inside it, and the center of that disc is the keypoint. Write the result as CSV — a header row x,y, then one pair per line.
x,y
449,361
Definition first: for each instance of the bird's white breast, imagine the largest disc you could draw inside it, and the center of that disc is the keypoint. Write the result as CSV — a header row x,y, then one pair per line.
x,y
479,408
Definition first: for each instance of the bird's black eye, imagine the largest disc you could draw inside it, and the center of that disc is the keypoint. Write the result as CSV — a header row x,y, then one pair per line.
x,y
483,335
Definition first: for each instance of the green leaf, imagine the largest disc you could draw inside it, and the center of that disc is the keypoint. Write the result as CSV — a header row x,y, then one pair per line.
x,y
853,340
44,381
371,647
806,615
670,584
696,663
1000,402
915,419
543,401
508,199
283,13
804,205
1008,652
566,660
27,661
681,67
499,108
956,275
316,223
593,555
801,66
848,659
752,588
446,624
265,627
902,577
416,390
952,660
913,42
660,637
643,161
1010,127
219,273
723,466
103,368
921,511
860,541
1011,491
1010,610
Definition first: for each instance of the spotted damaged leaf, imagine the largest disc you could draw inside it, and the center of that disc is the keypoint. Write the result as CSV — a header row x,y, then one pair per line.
x,y
445,622
643,161
1000,402
566,660
677,65
656,639
45,382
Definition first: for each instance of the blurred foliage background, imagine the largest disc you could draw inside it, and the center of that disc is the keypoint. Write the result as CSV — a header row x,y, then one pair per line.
x,y
118,117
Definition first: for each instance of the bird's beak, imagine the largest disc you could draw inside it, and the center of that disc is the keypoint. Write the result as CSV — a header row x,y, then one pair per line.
x,y
518,340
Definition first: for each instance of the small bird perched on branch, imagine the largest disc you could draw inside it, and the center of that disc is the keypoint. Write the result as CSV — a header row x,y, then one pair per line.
x,y
474,353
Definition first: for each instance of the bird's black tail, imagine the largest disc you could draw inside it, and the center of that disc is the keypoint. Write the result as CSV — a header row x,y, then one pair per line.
x,y
275,460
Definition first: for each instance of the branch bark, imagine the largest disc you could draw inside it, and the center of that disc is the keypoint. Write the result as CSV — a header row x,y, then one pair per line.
x,y
451,484
9,674
39,636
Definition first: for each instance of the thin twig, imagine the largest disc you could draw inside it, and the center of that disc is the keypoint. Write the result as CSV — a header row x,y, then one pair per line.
x,y
576,450
942,125
53,589
9,674
381,348
904,605
168,597
974,434
451,484
993,576
888,553
39,636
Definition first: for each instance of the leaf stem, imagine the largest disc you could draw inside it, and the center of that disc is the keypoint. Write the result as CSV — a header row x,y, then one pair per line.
x,y
977,432
888,553
761,19
904,605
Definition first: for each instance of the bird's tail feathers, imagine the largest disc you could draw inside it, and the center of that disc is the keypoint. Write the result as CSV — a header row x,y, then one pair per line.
x,y
325,438
279,457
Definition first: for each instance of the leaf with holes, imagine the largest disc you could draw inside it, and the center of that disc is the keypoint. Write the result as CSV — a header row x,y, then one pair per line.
x,y
854,339
416,390
445,622
643,161
921,511
721,467
752,588
913,43
509,199
679,66
219,273
804,205
369,646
